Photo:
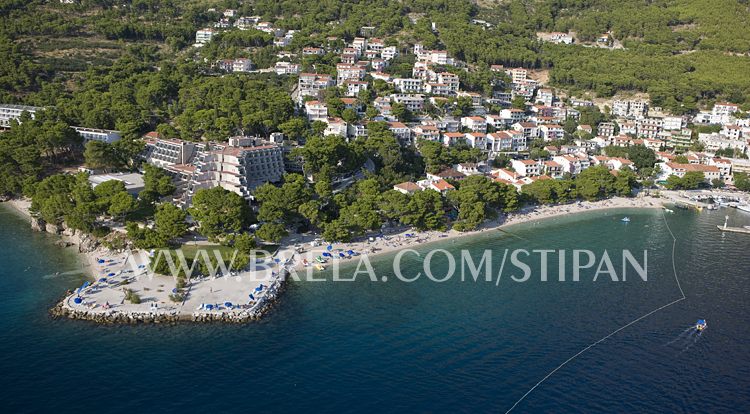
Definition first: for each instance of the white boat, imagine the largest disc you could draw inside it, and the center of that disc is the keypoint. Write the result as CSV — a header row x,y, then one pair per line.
x,y
700,325
625,220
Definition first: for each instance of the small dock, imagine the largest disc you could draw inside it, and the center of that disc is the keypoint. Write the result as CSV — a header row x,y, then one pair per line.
x,y
734,229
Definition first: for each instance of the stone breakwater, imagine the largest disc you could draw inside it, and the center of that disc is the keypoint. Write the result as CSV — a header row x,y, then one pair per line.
x,y
255,312
112,316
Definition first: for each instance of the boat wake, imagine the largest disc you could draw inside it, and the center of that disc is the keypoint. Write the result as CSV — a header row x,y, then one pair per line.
x,y
686,339
59,274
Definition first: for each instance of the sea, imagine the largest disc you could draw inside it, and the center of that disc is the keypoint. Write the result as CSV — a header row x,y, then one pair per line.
x,y
423,346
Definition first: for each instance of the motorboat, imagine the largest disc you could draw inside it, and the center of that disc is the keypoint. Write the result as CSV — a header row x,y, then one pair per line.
x,y
625,220
700,325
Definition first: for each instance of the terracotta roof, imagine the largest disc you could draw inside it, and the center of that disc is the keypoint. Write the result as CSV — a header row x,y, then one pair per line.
x,y
528,162
693,167
408,186
442,185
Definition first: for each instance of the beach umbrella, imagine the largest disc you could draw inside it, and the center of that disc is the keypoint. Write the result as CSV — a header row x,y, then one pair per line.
x,y
104,279
110,274
228,304
341,254
100,261
326,254
174,290
209,306
251,296
77,300
350,252
277,260
329,248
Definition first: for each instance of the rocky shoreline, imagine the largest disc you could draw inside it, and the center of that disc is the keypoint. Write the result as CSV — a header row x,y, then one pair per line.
x,y
69,237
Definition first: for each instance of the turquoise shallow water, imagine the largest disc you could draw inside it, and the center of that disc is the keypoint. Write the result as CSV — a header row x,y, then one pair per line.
x,y
395,346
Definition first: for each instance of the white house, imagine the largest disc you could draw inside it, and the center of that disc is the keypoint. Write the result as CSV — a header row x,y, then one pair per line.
x,y
551,132
316,111
710,172
286,68
528,129
526,168
474,123
204,35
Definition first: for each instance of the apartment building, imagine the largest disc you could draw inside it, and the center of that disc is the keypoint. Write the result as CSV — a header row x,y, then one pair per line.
x,y
414,103
286,68
605,129
551,132
316,111
408,85
313,84
204,35
528,129
474,123
242,65
239,167
388,53
450,79
101,135
526,168
13,112
163,152
629,108
346,72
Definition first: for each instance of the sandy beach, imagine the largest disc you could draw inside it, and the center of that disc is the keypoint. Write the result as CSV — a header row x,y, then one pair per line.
x,y
409,238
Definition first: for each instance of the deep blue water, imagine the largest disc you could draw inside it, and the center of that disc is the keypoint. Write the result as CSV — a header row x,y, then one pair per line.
x,y
395,346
